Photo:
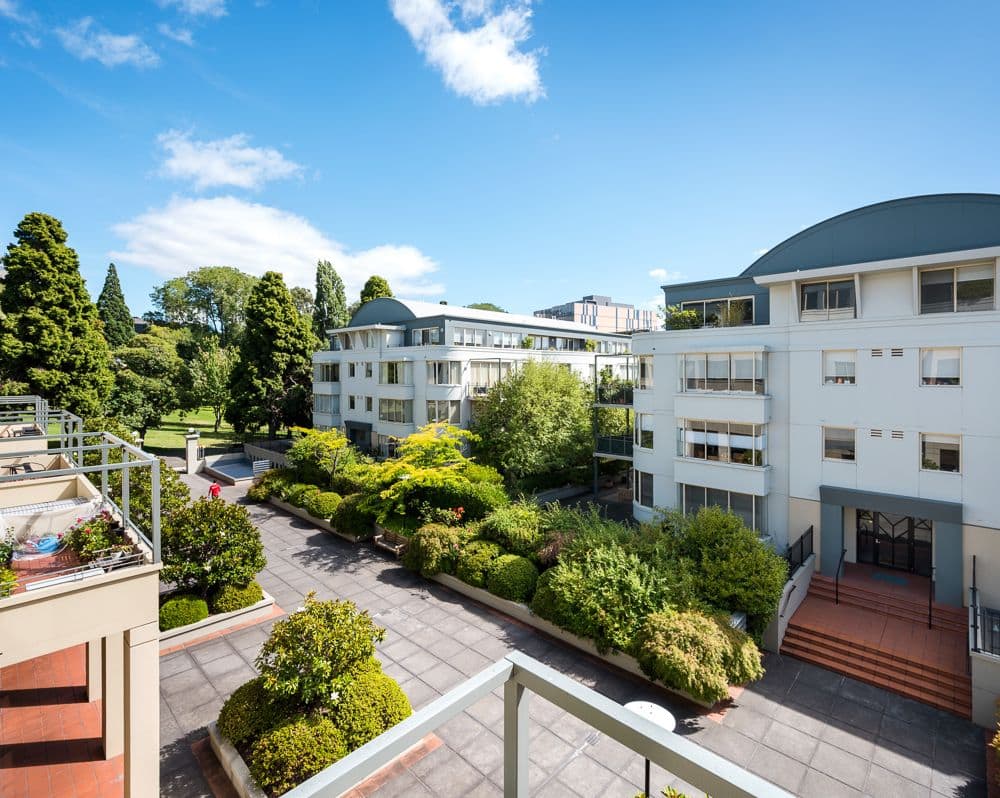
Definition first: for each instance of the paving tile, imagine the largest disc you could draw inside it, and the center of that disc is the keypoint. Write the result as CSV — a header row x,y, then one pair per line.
x,y
777,768
613,755
550,752
802,718
446,773
841,765
485,789
862,716
442,677
791,742
819,785
902,762
420,693
745,720
851,739
175,663
950,758
730,744
865,694
457,731
884,783
484,751
206,652
585,776
957,784
419,663
907,735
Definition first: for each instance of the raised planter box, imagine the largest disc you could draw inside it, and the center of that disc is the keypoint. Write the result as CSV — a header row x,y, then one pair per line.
x,y
326,526
231,761
216,623
523,613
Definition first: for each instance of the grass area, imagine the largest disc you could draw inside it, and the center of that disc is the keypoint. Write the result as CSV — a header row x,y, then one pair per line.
x,y
169,438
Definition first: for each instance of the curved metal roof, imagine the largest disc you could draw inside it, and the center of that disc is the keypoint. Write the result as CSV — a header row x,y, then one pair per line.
x,y
898,228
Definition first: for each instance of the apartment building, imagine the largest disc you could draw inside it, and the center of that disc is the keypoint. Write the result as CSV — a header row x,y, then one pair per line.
x,y
401,364
845,381
600,313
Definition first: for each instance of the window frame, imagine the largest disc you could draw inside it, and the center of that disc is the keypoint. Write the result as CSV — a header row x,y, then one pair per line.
x,y
693,304
954,269
757,432
759,373
832,379
644,373
640,432
956,438
922,380
854,452
387,415
824,314
758,504
638,494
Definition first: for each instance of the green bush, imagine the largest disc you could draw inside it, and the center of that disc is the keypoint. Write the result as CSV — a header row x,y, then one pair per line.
x,y
300,494
315,645
322,504
182,610
250,711
512,577
317,456
434,548
367,706
696,653
352,516
8,580
516,527
271,483
353,479
287,755
474,559
229,598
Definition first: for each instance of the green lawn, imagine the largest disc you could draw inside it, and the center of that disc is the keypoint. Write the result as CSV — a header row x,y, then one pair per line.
x,y
169,438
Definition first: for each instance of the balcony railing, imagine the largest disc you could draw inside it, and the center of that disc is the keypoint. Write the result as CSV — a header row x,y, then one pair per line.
x,y
799,551
615,394
620,445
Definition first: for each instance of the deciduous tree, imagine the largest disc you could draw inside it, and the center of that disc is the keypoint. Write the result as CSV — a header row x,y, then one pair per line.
x,y
375,287
209,375
213,296
149,376
486,306
112,310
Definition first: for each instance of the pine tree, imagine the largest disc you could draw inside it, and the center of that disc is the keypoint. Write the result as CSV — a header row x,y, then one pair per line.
x,y
112,310
50,334
374,288
271,383
330,310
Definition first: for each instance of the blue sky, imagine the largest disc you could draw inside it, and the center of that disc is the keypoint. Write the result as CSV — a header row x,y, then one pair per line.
x,y
522,153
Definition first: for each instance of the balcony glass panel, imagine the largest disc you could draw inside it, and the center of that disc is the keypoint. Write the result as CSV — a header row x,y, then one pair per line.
x,y
974,288
718,372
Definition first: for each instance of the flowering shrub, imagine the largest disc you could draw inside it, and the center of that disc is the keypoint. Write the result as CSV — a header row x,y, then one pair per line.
x,y
89,536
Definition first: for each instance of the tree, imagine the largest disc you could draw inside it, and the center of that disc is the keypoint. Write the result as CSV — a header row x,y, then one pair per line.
x,y
50,334
149,376
374,288
214,297
534,421
317,455
271,384
209,375
303,300
112,310
486,306
330,310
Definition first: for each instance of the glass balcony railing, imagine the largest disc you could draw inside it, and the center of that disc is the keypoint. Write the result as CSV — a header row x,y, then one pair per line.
x,y
620,445
615,394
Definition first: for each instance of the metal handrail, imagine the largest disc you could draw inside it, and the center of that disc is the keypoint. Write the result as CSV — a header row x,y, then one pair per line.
x,y
787,599
836,582
930,599
974,605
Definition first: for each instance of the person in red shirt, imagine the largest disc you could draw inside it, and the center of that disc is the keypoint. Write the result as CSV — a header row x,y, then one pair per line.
x,y
215,490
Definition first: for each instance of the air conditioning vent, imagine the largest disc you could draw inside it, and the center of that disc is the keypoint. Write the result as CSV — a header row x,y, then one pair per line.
x,y
875,433
897,352
876,353
897,434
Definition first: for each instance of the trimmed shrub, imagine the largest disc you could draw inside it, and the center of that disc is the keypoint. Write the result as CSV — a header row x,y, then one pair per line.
x,y
300,494
368,705
250,711
352,517
511,576
322,504
182,610
515,527
352,479
271,483
290,753
229,598
8,580
434,548
474,559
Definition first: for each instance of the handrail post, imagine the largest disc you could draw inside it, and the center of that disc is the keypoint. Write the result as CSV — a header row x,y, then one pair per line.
x,y
930,600
836,583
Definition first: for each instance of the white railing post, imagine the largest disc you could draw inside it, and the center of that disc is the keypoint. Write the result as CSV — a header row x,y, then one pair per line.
x,y
515,740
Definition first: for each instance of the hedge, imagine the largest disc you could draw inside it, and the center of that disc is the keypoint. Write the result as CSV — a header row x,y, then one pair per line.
x,y
287,755
230,598
182,610
322,504
515,527
250,711
352,518
368,705
474,559
434,548
300,494
512,577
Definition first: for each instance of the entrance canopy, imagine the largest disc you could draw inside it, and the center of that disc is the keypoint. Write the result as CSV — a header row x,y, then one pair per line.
x,y
931,509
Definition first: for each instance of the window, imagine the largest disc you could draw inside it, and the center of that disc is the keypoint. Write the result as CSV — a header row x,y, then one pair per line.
x,y
734,371
369,339
959,288
748,507
722,441
643,487
368,370
350,369
838,367
827,300
838,443
393,373
940,366
398,411
368,404
444,372
722,312
327,372
941,453
324,403
644,430
444,411
645,373
425,336
352,402
484,374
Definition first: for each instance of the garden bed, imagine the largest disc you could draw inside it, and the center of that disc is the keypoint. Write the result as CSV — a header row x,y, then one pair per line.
x,y
218,623
325,525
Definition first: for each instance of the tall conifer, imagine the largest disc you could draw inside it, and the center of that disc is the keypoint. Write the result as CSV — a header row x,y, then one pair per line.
x,y
112,310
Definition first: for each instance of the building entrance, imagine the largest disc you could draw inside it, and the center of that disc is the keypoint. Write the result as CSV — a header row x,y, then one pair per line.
x,y
894,541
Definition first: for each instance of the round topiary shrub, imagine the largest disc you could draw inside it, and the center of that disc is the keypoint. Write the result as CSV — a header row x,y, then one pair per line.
x,y
299,495
512,577
515,527
182,610
322,504
230,598
433,548
250,711
370,704
474,559
290,753
352,518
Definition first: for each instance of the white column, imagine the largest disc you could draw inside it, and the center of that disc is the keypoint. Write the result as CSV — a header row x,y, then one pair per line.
x,y
142,711
94,669
113,694
515,740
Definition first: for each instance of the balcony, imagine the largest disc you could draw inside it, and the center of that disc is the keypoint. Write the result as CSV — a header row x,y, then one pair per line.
x,y
619,446
734,477
619,394
742,408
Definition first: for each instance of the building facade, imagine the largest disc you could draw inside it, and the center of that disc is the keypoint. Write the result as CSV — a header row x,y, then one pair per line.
x,y
600,313
856,396
401,364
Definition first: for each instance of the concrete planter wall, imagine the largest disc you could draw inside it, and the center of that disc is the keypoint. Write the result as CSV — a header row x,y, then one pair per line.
x,y
231,761
326,526
219,622
792,596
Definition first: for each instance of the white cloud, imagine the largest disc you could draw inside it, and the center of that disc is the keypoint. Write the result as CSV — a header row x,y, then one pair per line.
x,y
88,41
665,276
27,39
198,8
182,35
10,10
482,61
223,162
188,233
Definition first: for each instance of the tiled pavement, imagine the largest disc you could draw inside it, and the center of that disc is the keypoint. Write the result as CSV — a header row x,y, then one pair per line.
x,y
809,730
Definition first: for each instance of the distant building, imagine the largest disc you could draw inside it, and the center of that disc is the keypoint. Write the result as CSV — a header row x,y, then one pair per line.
x,y
602,314
139,324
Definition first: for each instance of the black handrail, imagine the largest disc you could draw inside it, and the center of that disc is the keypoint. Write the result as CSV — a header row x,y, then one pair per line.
x,y
836,584
799,551
974,601
787,599
930,600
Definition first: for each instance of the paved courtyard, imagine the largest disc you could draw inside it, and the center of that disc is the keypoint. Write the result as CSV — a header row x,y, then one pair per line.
x,y
811,731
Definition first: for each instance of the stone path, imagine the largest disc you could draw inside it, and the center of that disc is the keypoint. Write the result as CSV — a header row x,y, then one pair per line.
x,y
812,731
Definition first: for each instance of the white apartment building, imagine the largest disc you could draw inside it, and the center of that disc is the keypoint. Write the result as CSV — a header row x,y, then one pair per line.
x,y
401,364
858,395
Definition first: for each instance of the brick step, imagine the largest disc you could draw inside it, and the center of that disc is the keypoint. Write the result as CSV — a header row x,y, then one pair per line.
x,y
945,610
856,649
956,701
881,662
943,616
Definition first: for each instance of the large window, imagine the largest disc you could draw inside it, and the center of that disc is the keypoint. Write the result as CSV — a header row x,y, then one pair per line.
x,y
468,336
832,299
958,288
750,508
838,443
726,371
941,452
351,369
352,402
643,487
393,372
425,336
722,441
368,404
644,430
645,372
722,312
484,374
399,411
838,367
324,403
327,372
444,411
941,366
444,372
368,370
